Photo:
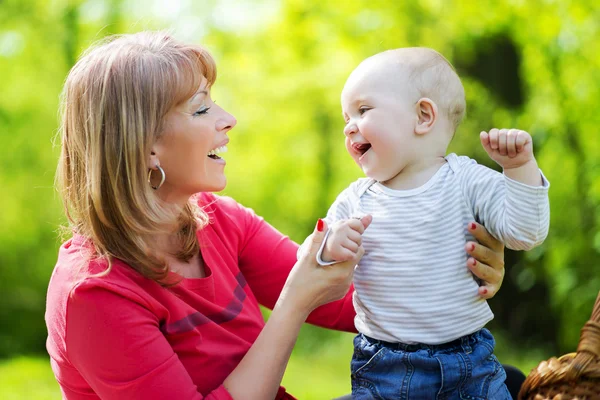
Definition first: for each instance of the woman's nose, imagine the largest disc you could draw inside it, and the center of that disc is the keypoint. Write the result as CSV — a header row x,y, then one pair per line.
x,y
226,122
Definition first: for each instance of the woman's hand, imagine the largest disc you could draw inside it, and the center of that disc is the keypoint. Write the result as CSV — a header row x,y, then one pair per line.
x,y
311,285
486,261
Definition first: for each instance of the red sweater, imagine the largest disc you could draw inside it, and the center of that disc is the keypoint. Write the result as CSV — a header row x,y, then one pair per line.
x,y
123,336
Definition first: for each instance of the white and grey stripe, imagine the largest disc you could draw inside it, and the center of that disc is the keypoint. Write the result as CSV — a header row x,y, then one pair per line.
x,y
412,285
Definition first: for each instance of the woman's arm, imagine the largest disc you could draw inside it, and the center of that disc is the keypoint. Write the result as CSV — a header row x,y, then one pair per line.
x,y
266,258
308,286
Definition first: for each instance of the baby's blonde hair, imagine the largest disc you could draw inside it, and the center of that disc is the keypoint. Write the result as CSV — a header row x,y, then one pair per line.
x,y
432,76
113,106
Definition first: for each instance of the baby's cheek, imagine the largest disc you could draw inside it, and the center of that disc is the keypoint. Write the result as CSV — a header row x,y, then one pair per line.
x,y
347,144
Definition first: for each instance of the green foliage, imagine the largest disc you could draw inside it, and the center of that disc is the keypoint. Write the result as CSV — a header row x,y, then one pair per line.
x,y
28,378
532,65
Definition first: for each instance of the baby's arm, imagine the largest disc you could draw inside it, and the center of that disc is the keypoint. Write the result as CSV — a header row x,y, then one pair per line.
x,y
513,206
512,149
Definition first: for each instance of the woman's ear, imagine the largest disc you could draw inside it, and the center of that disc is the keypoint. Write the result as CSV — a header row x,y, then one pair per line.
x,y
426,115
153,160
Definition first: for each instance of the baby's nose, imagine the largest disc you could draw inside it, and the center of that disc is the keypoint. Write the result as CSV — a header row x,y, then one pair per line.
x,y
350,129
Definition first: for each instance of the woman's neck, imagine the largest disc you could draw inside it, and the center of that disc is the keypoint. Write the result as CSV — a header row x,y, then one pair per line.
x,y
167,247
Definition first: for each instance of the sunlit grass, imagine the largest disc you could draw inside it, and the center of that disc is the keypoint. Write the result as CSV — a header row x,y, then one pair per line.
x,y
323,373
318,374
27,378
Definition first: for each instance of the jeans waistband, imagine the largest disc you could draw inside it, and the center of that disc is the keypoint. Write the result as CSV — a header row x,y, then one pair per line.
x,y
463,343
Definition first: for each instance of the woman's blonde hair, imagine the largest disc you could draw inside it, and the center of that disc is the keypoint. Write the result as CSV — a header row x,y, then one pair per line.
x,y
113,105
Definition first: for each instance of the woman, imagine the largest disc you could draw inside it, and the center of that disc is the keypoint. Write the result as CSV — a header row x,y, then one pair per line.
x,y
156,295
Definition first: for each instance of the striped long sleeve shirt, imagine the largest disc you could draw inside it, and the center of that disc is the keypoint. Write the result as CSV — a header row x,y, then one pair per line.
x,y
412,285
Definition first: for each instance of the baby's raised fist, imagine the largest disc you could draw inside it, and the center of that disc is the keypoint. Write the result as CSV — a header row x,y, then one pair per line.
x,y
510,148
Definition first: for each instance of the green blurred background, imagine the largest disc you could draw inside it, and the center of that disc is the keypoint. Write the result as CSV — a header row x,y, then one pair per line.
x,y
528,64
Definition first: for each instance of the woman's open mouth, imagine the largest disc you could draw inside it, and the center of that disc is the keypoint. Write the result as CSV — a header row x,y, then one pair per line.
x,y
213,153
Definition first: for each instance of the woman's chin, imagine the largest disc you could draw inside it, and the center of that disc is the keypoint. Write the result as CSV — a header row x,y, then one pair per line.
x,y
216,186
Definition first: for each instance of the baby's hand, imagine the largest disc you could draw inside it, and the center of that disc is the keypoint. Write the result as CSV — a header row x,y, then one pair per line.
x,y
345,239
511,148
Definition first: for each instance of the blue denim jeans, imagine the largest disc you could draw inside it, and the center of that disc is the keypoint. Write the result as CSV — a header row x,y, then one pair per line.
x,y
465,368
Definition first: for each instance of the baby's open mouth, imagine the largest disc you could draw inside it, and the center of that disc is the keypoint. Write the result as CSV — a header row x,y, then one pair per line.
x,y
361,148
213,153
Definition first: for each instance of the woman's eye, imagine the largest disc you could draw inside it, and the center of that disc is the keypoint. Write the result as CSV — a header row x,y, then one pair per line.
x,y
202,111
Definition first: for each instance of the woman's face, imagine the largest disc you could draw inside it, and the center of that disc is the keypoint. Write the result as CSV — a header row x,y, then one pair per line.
x,y
194,134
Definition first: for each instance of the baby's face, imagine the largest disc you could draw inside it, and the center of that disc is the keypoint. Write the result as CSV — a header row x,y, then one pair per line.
x,y
380,113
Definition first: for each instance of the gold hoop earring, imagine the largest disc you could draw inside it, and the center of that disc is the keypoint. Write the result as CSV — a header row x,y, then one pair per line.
x,y
162,177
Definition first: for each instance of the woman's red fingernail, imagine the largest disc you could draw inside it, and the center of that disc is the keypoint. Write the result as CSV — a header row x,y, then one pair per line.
x,y
484,291
473,226
320,225
474,262
471,247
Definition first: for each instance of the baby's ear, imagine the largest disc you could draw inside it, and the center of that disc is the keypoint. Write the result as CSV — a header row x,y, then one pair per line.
x,y
426,115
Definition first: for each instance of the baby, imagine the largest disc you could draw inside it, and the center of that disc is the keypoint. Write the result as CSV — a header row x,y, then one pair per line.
x,y
419,316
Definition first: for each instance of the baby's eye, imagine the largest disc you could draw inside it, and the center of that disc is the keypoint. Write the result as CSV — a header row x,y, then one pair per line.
x,y
202,111
363,110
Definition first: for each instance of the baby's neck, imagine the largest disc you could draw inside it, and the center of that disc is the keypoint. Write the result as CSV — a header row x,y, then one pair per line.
x,y
416,174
